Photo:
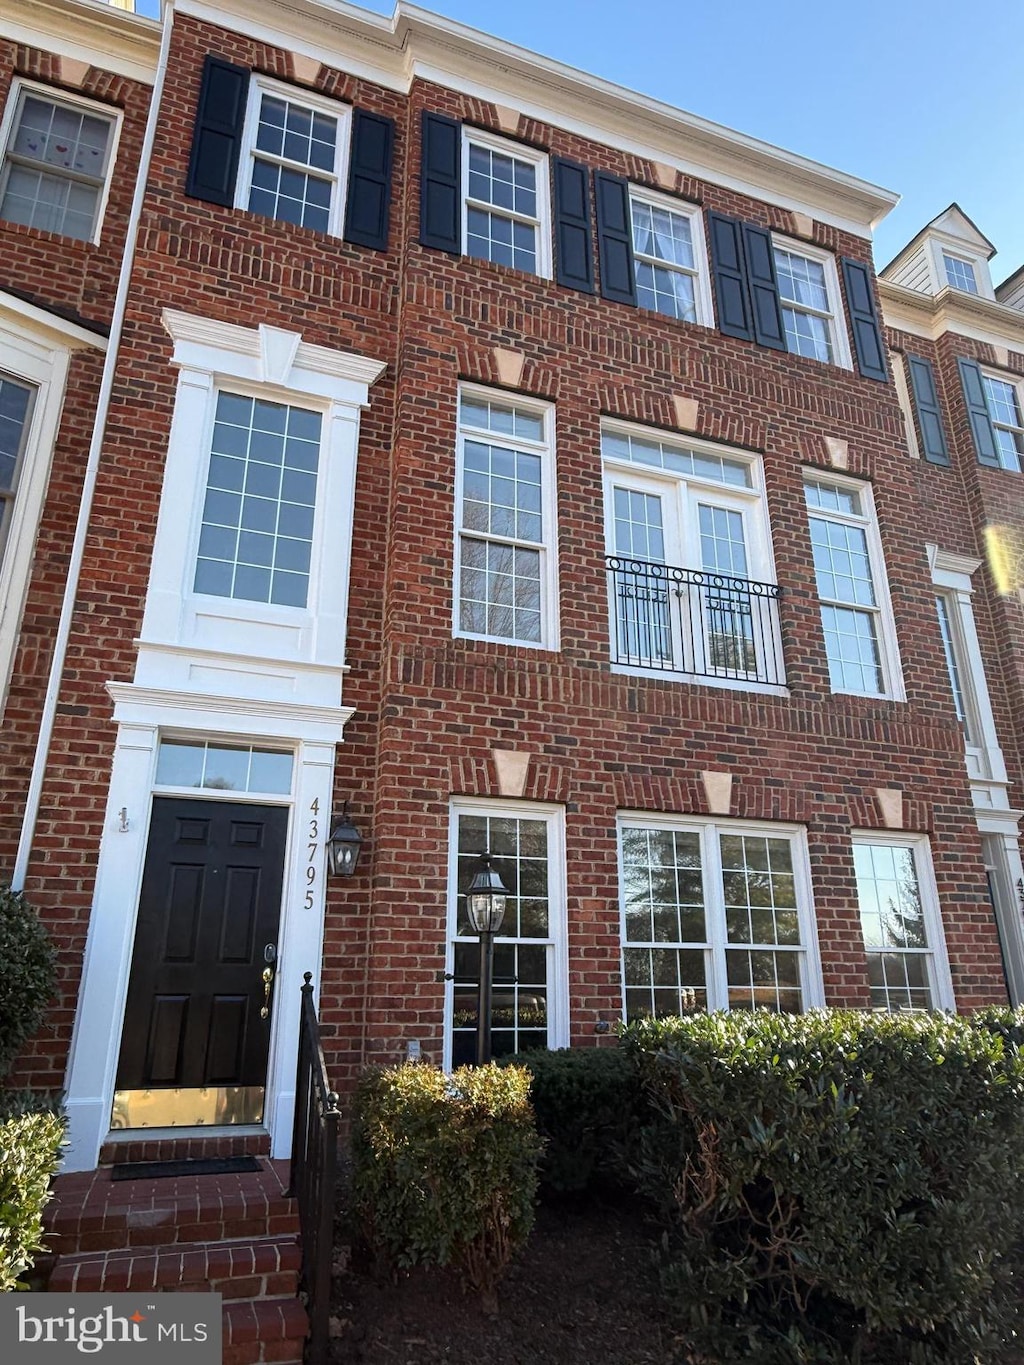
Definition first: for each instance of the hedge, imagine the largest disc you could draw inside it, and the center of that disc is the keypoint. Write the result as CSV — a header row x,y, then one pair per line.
x,y
27,974
837,1187
30,1145
445,1167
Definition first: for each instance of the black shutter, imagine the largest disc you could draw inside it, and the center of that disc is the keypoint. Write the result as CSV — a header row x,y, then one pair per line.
x,y
867,334
574,260
441,184
217,136
369,180
763,288
730,272
977,409
614,238
927,410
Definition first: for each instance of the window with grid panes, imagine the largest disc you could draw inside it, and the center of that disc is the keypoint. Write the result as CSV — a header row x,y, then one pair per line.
x,y
1003,399
294,163
895,925
524,948
848,578
669,258
807,296
506,218
56,164
15,407
258,515
714,916
960,274
504,552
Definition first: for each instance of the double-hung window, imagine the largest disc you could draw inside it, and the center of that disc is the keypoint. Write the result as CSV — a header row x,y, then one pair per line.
x,y
505,552
688,560
856,616
809,300
258,514
57,158
15,409
907,965
1003,399
293,160
715,916
669,257
528,1007
506,218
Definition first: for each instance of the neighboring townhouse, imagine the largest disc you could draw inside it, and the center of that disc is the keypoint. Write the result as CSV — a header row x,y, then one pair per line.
x,y
514,463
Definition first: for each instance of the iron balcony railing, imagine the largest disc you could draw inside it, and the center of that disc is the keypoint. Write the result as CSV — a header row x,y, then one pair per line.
x,y
694,622
314,1170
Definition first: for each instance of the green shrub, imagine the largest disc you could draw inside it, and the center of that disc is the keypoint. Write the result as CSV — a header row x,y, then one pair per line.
x,y
588,1103
840,1187
27,974
445,1167
29,1152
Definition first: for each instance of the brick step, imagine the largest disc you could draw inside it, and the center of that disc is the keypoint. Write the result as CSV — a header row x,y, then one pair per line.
x,y
267,1269
264,1330
90,1212
191,1148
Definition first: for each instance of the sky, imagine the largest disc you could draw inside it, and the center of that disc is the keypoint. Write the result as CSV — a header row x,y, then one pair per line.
x,y
923,97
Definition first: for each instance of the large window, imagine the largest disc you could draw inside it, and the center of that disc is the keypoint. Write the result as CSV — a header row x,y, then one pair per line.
x,y
907,965
715,916
688,560
1003,399
505,571
855,616
505,208
669,258
15,406
809,298
57,157
257,532
293,163
528,1009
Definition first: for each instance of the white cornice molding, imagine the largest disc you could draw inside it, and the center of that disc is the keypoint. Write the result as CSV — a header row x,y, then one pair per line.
x,y
69,335
416,43
86,30
946,561
951,310
291,714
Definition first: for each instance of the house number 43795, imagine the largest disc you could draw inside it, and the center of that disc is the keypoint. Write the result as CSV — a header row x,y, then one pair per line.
x,y
312,845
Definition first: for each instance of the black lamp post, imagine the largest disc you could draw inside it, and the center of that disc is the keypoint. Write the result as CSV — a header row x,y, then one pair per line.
x,y
485,905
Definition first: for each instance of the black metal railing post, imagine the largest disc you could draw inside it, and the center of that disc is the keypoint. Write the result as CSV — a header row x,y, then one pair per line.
x,y
695,622
313,1172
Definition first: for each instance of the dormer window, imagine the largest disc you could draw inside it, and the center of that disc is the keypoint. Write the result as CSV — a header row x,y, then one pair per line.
x,y
959,273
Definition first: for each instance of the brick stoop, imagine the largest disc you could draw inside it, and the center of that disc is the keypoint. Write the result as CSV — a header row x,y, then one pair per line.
x,y
233,1234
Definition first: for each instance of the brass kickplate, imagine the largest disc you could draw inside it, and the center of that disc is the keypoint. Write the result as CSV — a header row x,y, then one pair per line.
x,y
211,1106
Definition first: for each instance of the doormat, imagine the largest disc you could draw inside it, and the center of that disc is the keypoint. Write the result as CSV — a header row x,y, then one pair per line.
x,y
159,1170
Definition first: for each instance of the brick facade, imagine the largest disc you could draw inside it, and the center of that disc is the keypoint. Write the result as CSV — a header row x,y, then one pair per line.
x,y
430,709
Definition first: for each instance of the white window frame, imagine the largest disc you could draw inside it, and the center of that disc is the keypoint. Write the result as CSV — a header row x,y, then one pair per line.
x,y
249,153
940,979
898,365
547,548
1015,383
952,577
112,115
708,830
557,940
835,317
703,307
684,492
950,258
542,222
37,348
882,613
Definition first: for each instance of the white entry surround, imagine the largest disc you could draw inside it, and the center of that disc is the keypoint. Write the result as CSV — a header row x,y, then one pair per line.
x,y
224,669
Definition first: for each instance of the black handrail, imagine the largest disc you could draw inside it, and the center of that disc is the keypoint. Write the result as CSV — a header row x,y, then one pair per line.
x,y
313,1175
694,621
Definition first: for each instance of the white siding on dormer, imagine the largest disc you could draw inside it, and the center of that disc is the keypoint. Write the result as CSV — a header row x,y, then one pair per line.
x,y
914,272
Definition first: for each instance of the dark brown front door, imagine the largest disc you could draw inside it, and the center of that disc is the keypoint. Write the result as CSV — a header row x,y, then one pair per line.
x,y
206,934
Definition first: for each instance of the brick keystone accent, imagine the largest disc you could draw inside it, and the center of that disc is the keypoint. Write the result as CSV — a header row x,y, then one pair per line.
x,y
718,792
511,767
508,119
509,365
687,412
665,175
890,803
306,69
73,72
838,452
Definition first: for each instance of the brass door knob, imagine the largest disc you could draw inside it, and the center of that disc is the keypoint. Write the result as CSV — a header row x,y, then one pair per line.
x,y
268,981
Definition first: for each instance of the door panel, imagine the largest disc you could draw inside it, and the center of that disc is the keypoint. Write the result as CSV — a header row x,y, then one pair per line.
x,y
210,903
